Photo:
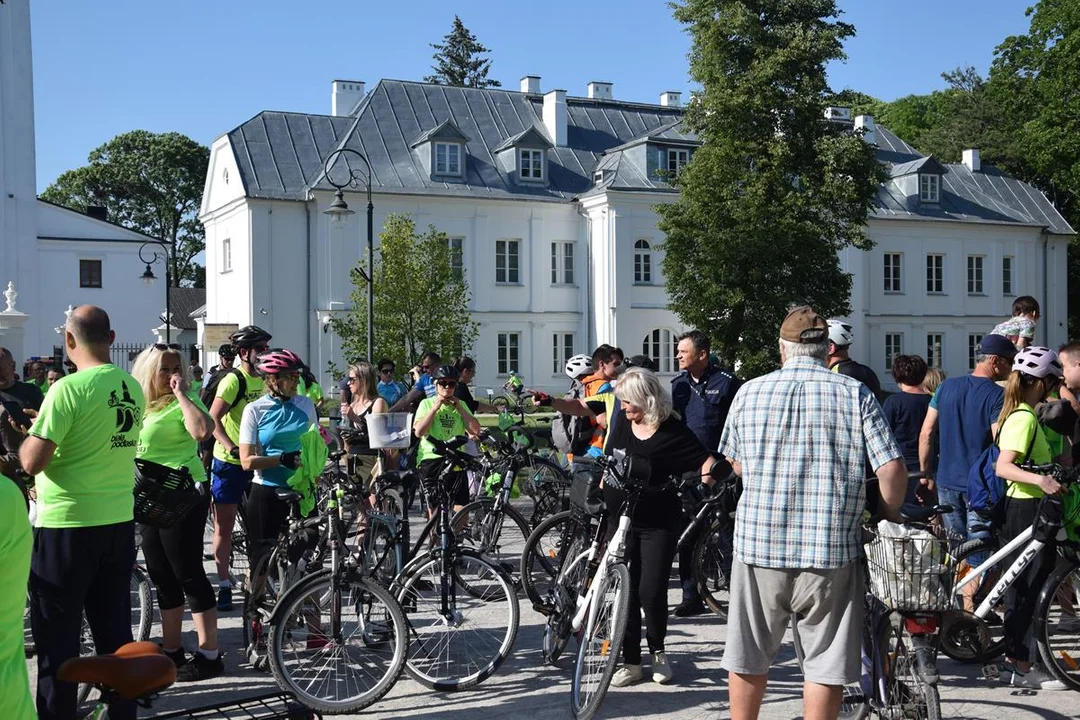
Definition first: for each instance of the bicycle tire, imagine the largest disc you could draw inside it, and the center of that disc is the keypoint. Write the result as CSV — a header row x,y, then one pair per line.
x,y
562,598
543,556
379,558
259,602
906,693
713,554
499,539
420,591
1057,626
854,705
963,638
605,637
501,404
381,631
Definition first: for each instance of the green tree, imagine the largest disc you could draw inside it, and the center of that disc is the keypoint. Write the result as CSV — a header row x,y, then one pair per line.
x,y
458,60
775,191
150,182
420,304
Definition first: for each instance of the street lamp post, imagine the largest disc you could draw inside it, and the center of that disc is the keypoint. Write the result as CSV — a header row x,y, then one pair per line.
x,y
339,210
149,277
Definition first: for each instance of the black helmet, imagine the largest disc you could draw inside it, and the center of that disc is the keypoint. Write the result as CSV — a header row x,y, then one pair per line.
x,y
250,336
446,372
226,350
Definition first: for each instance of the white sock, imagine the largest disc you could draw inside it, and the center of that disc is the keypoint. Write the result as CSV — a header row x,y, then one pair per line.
x,y
208,654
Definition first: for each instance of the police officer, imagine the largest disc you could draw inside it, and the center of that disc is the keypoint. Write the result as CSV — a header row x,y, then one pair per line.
x,y
701,395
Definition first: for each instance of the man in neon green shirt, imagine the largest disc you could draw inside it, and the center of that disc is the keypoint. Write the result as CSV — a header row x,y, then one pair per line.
x,y
15,545
81,447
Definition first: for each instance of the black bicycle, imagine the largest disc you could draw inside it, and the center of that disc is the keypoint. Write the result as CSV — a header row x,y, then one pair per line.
x,y
712,531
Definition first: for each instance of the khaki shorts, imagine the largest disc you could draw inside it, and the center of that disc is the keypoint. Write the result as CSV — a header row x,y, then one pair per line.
x,y
825,609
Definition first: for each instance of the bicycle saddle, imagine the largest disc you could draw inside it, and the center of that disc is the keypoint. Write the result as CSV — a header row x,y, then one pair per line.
x,y
134,671
288,495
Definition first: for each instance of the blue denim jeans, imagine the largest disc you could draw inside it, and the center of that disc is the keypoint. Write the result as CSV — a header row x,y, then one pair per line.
x,y
963,522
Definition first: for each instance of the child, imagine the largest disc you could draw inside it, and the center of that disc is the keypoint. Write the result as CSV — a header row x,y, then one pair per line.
x,y
1020,328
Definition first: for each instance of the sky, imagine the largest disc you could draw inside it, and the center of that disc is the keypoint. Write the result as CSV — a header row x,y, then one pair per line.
x,y
203,67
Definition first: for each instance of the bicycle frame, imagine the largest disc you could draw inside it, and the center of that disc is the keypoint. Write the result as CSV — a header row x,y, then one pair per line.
x,y
613,553
1033,548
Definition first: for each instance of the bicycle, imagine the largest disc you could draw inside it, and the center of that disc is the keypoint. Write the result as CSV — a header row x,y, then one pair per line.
x,y
712,532
514,404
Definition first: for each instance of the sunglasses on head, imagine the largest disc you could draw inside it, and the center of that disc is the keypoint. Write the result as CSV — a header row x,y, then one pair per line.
x,y
163,346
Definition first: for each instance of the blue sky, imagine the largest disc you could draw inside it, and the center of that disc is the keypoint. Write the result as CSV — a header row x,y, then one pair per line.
x,y
202,67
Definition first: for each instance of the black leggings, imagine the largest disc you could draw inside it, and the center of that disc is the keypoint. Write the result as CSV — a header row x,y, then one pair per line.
x,y
1020,599
265,516
650,553
174,560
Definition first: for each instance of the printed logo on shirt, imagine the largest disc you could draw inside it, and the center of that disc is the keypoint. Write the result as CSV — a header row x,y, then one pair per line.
x,y
448,420
128,415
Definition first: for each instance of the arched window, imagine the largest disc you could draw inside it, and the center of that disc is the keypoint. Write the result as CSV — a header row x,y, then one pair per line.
x,y
660,345
642,262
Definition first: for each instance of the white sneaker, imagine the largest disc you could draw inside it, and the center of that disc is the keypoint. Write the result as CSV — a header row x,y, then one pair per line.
x,y
661,668
1034,679
627,675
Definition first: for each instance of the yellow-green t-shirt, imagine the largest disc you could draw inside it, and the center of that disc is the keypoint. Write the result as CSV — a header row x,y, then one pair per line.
x,y
227,390
1016,435
313,392
16,542
94,418
447,425
165,440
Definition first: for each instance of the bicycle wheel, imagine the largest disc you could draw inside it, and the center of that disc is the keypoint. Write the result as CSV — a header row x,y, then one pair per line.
x,y
263,588
379,557
601,643
547,484
854,705
964,637
1057,623
498,536
29,648
142,604
348,671
713,553
239,565
907,694
501,403
561,600
458,645
543,555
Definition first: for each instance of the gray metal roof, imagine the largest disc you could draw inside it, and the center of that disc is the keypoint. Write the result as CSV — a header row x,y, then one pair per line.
x,y
183,302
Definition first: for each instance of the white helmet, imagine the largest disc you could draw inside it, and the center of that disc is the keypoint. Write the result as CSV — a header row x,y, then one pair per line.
x,y
840,333
578,365
1038,362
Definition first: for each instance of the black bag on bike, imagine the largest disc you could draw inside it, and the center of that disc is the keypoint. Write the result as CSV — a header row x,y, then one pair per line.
x,y
586,497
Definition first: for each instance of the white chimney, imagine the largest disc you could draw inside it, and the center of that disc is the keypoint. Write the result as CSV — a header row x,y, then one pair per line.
x,y
972,160
530,84
346,95
555,116
599,90
866,124
671,98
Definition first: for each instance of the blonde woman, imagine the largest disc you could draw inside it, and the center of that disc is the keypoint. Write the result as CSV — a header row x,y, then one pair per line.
x,y
934,377
174,424
363,384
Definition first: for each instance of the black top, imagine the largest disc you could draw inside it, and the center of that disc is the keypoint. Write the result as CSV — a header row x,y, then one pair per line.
x,y
27,394
704,403
905,413
462,393
861,373
672,450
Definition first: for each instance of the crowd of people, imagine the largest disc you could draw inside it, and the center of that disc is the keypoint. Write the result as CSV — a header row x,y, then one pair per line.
x,y
803,441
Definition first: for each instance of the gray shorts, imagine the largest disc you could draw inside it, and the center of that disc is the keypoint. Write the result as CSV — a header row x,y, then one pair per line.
x,y
824,607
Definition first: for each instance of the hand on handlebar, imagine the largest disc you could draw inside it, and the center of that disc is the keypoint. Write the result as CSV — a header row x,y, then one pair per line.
x,y
1049,485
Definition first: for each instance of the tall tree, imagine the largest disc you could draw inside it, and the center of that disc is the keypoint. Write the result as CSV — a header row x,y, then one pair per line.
x,y
421,304
459,60
148,182
775,191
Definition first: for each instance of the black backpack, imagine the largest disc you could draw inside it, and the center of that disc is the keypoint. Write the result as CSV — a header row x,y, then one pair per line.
x,y
572,433
207,395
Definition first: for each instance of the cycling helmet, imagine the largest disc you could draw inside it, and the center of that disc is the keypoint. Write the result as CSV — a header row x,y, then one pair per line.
x,y
446,372
840,333
249,336
1038,362
578,365
278,360
226,351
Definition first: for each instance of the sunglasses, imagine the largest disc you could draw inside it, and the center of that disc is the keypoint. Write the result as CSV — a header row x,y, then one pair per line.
x,y
447,383
353,378
386,371
163,346
260,348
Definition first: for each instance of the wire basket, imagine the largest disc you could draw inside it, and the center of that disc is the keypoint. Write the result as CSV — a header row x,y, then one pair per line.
x,y
163,495
910,570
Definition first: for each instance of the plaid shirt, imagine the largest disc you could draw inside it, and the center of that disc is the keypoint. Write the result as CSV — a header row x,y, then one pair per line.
x,y
802,434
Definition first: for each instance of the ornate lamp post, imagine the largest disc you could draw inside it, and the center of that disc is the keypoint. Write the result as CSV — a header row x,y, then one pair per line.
x,y
166,256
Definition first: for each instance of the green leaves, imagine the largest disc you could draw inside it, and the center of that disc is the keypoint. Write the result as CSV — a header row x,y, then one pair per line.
x,y
458,60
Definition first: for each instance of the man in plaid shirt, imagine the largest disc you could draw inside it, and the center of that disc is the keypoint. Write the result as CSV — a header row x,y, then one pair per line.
x,y
799,438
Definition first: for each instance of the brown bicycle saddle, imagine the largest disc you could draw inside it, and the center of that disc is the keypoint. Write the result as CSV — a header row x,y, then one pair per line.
x,y
135,670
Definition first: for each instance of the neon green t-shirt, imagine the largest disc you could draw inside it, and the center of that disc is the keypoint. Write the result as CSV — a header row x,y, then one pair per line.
x,y
16,542
165,440
94,418
196,386
313,392
448,424
227,390
1016,435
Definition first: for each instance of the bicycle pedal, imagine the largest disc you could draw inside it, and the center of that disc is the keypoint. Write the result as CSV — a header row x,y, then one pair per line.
x,y
991,672
544,609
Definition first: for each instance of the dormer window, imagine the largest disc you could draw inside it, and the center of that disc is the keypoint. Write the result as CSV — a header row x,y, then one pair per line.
x,y
441,151
447,158
929,187
531,164
676,159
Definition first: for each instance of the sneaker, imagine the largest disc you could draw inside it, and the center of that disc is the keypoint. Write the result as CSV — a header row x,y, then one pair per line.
x,y
627,675
661,668
1034,679
200,667
688,608
177,656
224,599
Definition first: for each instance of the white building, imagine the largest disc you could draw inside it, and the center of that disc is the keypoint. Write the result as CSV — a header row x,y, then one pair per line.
x,y
52,256
550,200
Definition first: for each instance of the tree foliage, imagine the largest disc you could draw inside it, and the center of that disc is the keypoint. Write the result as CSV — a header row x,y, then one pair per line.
x,y
775,191
459,60
420,303
149,182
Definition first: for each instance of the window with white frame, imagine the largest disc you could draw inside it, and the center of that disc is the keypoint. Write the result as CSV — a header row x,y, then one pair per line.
x,y
973,347
894,345
562,263
676,159
1007,275
447,158
562,350
509,344
935,343
507,258
531,164
975,274
929,187
935,273
456,245
226,255
642,262
892,273
660,345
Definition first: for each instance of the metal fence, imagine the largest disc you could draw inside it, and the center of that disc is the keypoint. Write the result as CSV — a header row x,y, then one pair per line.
x,y
124,354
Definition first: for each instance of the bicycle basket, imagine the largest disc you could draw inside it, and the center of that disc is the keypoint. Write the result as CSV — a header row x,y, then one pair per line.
x,y
163,495
910,569
585,485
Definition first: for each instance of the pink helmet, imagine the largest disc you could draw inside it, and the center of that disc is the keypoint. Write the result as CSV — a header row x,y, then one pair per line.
x,y
1038,362
278,360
